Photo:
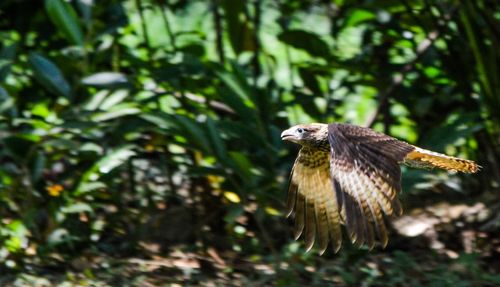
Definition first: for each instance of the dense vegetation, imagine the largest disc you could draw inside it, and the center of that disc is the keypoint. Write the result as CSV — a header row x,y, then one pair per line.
x,y
139,140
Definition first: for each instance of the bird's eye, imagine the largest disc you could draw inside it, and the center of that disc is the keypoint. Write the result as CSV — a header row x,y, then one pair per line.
x,y
300,130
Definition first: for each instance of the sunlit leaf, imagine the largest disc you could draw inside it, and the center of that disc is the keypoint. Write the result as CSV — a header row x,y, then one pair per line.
x,y
116,112
232,197
115,159
161,120
105,80
113,99
359,16
77,208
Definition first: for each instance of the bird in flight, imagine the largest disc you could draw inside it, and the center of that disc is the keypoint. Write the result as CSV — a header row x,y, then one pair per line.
x,y
350,175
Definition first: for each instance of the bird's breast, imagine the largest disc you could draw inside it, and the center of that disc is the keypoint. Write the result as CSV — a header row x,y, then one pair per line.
x,y
314,158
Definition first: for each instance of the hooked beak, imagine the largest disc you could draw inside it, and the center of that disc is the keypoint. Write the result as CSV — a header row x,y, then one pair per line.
x,y
287,135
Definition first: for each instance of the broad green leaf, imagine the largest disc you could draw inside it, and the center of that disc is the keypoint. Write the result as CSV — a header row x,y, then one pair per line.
x,y
64,17
359,16
307,41
49,75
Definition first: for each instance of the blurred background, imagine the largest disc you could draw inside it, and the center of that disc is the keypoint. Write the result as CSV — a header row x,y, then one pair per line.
x,y
139,139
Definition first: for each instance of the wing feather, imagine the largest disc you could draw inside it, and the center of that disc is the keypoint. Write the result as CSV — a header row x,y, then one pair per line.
x,y
365,165
321,213
310,235
312,197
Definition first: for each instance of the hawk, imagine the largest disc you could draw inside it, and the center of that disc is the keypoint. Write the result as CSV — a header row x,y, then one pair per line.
x,y
350,175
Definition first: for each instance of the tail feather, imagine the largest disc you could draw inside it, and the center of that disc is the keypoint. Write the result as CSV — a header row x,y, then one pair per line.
x,y
422,158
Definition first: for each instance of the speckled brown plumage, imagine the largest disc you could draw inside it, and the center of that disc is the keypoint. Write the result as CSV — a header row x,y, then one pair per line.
x,y
350,175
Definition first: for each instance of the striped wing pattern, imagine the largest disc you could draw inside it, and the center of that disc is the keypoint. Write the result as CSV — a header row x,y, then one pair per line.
x,y
311,196
364,167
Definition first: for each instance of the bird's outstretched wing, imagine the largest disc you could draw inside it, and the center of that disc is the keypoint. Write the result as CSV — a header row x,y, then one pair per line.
x,y
364,168
312,197
355,183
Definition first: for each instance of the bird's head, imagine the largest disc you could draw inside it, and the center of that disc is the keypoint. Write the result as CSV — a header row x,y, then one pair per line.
x,y
307,134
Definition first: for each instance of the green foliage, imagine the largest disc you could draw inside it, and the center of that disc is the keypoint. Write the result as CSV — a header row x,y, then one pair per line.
x,y
133,123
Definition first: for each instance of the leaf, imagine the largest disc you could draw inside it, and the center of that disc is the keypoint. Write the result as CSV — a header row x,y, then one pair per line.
x,y
7,56
6,102
91,186
106,80
77,208
112,160
242,164
238,95
116,112
232,197
115,159
49,75
194,133
359,16
216,141
307,41
161,120
113,99
95,100
64,17
237,86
